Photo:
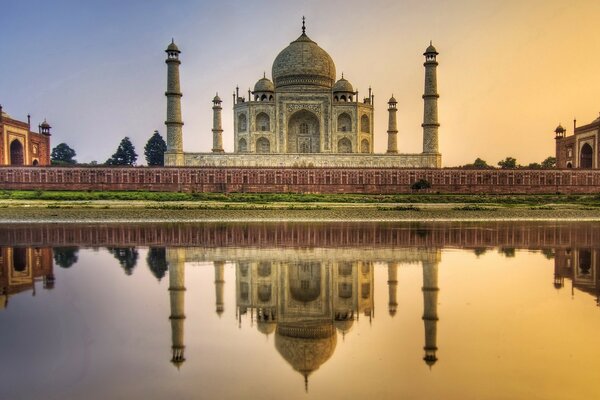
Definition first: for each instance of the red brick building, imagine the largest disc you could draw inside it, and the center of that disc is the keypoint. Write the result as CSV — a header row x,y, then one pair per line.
x,y
579,150
19,145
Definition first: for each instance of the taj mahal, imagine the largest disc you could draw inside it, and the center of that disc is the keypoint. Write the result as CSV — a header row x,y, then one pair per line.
x,y
303,117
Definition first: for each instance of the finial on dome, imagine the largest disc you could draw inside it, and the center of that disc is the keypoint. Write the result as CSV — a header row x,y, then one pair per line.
x,y
303,25
264,74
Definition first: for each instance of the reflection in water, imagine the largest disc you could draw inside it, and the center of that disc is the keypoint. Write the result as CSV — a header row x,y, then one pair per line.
x,y
303,303
21,268
302,285
581,267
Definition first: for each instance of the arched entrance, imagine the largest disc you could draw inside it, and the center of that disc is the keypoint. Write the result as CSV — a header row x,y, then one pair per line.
x,y
16,153
303,133
586,159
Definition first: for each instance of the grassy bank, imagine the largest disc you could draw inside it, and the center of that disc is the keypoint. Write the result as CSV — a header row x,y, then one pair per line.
x,y
267,198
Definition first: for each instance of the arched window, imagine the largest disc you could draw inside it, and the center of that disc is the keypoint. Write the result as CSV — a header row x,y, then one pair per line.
x,y
587,156
35,163
569,165
344,123
242,146
345,268
343,98
364,146
242,123
19,259
344,146
364,124
271,98
263,97
16,153
585,261
263,145
264,269
263,122
304,128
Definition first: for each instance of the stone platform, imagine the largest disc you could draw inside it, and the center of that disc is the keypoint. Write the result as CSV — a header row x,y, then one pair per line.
x,y
300,160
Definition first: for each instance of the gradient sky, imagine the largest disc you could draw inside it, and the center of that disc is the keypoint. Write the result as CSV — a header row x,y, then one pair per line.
x,y
509,71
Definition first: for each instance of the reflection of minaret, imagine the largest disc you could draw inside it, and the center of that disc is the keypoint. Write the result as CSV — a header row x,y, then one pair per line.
x,y
392,285
430,318
219,284
177,297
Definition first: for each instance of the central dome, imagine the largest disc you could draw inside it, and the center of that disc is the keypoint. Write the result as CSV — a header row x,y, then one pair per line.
x,y
303,62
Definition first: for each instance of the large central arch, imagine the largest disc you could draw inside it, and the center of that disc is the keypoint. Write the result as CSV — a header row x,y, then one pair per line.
x,y
16,153
587,156
303,133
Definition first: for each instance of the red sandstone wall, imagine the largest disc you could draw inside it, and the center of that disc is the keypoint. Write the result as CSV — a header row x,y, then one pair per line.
x,y
299,180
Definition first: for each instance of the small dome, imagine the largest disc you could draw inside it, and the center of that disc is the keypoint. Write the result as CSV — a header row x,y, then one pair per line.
x,y
392,100
173,47
266,327
430,49
45,124
343,86
344,326
217,99
559,129
303,62
264,84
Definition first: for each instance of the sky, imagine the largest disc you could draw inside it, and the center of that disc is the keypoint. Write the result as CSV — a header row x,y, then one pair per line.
x,y
509,71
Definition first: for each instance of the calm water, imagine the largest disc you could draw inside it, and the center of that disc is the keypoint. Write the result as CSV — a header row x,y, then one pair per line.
x,y
323,311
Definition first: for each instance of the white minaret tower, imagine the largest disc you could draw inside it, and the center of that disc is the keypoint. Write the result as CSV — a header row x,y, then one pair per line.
x,y
219,286
177,299
430,318
392,127
430,115
392,286
217,126
174,154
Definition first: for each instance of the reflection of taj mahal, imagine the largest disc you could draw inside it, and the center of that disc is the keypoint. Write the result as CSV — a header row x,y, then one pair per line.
x,y
302,117
300,299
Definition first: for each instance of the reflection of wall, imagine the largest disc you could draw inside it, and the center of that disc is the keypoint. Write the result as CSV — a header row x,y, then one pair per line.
x,y
382,242
21,267
581,266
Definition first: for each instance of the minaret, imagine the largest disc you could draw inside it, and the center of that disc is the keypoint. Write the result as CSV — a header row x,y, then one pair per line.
x,y
430,318
217,126
430,114
177,298
559,135
219,284
174,154
392,286
392,127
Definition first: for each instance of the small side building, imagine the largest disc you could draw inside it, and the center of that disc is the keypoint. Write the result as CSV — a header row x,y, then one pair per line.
x,y
579,150
19,145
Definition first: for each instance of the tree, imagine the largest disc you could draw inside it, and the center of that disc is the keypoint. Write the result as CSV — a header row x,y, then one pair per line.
x,y
534,165
477,164
125,154
63,154
421,184
65,256
157,262
155,150
508,163
549,163
127,257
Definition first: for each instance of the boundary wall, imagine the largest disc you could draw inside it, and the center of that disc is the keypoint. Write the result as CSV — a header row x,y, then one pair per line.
x,y
300,180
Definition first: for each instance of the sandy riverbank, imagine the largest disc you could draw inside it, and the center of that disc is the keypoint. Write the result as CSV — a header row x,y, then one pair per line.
x,y
146,211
